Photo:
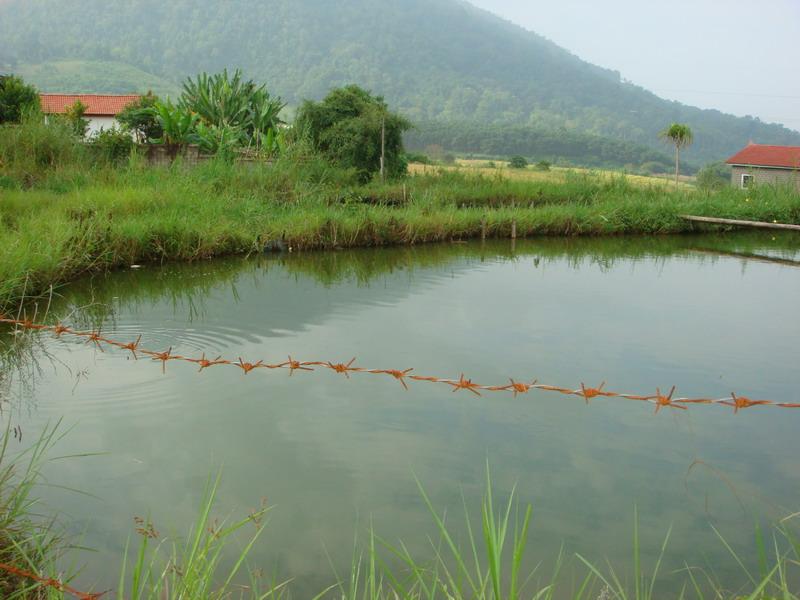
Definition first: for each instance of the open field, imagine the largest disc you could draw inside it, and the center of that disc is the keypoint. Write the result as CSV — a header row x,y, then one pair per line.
x,y
498,168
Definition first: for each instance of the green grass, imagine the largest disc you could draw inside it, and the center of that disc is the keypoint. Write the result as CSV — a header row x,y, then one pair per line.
x,y
29,540
65,211
193,568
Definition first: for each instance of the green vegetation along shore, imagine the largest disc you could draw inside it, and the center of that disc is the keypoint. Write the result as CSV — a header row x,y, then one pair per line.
x,y
63,215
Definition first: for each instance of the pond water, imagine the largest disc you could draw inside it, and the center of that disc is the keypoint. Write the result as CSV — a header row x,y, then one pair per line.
x,y
709,314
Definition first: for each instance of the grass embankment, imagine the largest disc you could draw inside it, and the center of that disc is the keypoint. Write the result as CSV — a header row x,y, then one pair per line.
x,y
64,213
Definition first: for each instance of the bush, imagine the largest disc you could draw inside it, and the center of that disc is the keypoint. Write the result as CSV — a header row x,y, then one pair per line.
x,y
714,176
74,116
31,149
518,162
16,98
140,119
347,128
417,157
112,145
543,165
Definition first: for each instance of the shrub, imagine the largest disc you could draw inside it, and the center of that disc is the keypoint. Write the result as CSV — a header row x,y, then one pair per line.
x,y
518,162
347,128
417,157
74,116
714,176
543,165
112,145
32,148
16,98
140,119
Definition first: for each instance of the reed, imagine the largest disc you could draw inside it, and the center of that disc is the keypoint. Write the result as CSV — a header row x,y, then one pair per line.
x,y
483,563
178,570
29,539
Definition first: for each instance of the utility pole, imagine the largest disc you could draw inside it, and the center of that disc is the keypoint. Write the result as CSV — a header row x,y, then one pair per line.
x,y
383,148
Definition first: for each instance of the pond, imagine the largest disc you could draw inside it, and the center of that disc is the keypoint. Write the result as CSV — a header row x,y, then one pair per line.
x,y
710,314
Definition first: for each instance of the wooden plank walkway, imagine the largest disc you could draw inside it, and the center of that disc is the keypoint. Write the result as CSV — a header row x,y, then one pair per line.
x,y
739,223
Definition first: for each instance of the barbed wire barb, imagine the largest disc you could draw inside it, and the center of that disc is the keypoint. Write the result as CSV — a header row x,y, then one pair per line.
x,y
61,331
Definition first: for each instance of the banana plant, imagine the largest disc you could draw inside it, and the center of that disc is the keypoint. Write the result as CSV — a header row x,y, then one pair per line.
x,y
218,140
178,125
229,102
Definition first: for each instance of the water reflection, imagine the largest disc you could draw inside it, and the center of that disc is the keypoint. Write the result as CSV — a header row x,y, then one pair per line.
x,y
331,453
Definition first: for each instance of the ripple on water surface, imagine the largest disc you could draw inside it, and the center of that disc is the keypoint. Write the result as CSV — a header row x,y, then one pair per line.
x,y
638,313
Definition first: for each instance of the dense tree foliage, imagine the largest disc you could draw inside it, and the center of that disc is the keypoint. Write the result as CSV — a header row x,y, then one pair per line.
x,y
553,145
16,97
140,119
352,128
518,162
438,60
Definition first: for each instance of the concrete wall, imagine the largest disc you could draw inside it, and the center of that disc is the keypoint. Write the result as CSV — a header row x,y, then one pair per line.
x,y
763,176
162,156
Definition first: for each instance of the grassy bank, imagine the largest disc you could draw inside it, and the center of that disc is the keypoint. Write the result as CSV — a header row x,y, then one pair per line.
x,y
65,211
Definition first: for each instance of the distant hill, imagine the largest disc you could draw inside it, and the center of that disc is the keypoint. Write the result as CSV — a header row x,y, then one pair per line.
x,y
435,60
94,77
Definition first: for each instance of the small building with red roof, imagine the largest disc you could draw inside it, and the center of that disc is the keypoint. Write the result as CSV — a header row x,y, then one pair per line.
x,y
759,163
101,110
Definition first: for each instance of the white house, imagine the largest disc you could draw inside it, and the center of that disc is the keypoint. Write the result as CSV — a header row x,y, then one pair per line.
x,y
101,111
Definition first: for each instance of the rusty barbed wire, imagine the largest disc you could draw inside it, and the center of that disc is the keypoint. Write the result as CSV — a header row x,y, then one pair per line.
x,y
49,582
463,383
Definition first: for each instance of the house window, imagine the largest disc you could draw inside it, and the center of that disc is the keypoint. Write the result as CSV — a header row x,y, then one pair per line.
x,y
747,180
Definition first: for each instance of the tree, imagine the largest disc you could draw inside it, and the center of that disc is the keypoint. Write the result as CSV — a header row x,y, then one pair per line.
x,y
15,98
74,115
680,136
354,129
140,119
518,162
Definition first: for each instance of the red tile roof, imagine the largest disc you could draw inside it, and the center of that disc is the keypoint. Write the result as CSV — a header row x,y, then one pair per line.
x,y
97,106
787,157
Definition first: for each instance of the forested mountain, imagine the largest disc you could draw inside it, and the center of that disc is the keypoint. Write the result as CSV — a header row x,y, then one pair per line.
x,y
558,146
435,60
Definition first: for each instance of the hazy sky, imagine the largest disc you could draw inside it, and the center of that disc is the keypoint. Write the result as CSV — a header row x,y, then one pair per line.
x,y
739,56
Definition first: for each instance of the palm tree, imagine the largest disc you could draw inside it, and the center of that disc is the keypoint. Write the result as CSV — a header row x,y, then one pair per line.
x,y
680,136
